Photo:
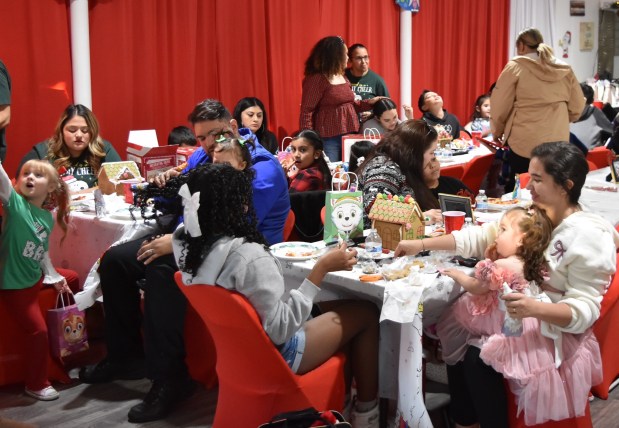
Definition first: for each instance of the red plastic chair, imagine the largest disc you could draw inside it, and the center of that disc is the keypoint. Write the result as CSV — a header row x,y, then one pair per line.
x,y
455,171
605,330
599,156
592,165
323,213
12,369
200,350
476,170
289,225
254,381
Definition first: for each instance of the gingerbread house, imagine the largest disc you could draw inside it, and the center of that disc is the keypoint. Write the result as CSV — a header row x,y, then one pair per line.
x,y
113,175
396,218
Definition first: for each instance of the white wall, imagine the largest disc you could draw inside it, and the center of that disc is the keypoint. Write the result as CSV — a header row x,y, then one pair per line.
x,y
584,63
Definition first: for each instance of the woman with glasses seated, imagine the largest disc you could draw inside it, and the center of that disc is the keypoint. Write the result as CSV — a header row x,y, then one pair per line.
x,y
76,149
404,163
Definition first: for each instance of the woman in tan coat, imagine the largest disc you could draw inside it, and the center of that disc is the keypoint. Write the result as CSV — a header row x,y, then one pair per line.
x,y
535,99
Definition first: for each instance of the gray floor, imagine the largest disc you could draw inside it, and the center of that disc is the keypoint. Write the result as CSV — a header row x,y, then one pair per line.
x,y
107,405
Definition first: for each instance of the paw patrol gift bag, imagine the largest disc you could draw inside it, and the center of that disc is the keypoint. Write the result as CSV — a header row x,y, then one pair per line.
x,y
66,326
343,209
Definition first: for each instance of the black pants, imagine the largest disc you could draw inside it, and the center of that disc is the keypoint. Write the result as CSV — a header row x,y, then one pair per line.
x,y
477,392
164,311
517,165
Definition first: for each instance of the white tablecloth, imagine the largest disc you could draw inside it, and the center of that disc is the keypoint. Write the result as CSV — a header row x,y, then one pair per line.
x,y
87,239
400,349
463,159
602,202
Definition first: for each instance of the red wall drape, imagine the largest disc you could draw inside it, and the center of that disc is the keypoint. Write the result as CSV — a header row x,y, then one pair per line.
x,y
152,60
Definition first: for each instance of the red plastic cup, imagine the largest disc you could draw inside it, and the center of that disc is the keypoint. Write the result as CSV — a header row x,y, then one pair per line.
x,y
476,136
598,104
454,220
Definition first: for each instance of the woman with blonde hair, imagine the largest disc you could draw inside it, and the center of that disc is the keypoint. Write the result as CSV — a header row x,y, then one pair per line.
x,y
534,100
76,148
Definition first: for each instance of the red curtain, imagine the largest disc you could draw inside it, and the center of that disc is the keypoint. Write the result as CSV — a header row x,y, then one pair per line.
x,y
459,50
152,60
35,47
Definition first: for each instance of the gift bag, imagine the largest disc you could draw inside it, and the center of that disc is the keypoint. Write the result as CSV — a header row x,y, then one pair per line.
x,y
66,326
370,134
307,418
343,209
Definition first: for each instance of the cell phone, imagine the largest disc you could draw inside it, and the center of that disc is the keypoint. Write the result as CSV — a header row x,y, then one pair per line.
x,y
463,261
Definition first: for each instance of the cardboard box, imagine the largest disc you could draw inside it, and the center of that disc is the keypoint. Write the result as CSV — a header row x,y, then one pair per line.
x,y
145,151
183,153
113,176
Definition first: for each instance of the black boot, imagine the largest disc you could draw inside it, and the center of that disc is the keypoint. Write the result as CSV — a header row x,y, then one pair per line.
x,y
161,400
107,371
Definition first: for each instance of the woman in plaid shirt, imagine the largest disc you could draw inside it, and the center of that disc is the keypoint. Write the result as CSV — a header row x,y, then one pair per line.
x,y
328,103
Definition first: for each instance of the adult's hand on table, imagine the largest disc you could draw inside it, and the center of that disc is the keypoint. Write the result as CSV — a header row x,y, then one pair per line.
x,y
408,247
155,247
161,179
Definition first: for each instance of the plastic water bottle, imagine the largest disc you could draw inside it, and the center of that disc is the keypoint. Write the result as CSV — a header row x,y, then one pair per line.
x,y
468,222
481,201
374,244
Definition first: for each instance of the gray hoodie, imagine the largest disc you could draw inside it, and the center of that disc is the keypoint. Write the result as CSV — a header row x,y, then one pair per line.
x,y
251,270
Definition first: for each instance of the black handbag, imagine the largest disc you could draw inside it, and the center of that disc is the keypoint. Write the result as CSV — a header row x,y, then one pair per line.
x,y
307,418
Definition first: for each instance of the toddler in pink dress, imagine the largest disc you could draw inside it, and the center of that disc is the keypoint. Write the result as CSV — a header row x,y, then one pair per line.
x,y
549,376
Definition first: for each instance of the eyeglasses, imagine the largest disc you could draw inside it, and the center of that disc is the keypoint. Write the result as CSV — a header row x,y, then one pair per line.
x,y
362,58
220,133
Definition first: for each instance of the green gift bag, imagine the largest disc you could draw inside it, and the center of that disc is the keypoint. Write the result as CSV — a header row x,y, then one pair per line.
x,y
343,209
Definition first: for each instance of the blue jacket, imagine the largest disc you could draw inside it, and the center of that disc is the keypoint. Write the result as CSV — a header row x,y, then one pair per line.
x,y
271,200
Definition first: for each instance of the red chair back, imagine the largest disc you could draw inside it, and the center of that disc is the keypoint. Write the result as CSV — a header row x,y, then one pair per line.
x,y
251,371
592,165
605,330
289,225
323,213
455,171
525,177
476,170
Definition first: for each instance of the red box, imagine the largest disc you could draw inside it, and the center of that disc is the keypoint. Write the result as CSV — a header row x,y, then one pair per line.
x,y
152,160
183,153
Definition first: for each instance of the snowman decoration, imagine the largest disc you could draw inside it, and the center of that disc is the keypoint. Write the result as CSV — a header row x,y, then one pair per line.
x,y
565,43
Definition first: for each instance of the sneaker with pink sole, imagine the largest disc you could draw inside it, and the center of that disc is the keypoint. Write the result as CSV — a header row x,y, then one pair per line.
x,y
45,394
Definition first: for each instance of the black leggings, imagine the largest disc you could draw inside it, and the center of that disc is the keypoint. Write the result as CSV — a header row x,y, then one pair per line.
x,y
477,392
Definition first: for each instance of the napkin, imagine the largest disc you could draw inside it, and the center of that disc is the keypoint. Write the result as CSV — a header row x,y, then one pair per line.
x,y
401,298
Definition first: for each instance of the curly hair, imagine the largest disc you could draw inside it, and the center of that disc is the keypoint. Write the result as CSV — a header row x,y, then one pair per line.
x,y
537,231
58,198
226,208
57,149
327,57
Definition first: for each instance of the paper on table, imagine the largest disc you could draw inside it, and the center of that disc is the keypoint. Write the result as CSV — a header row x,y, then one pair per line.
x,y
401,298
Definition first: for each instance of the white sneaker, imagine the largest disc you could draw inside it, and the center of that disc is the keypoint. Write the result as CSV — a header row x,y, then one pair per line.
x,y
367,419
45,394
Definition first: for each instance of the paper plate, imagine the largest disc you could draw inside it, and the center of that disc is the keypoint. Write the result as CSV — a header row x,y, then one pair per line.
x,y
295,250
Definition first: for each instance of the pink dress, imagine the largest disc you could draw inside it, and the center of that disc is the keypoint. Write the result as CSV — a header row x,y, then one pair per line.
x,y
543,391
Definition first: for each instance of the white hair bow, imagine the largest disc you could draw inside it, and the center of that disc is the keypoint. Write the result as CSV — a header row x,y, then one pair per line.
x,y
360,160
191,204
